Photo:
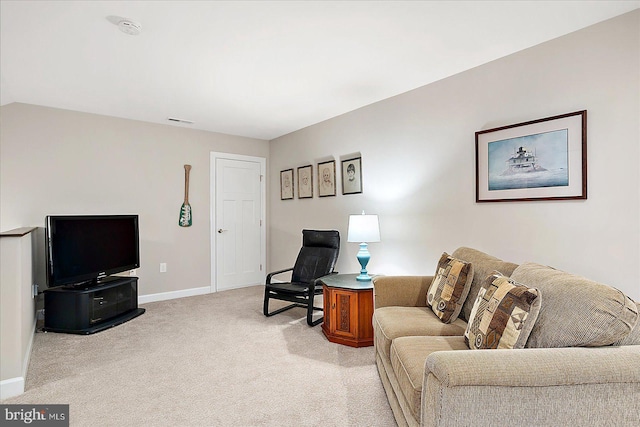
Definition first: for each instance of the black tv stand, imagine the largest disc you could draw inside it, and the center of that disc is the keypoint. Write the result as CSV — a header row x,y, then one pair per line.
x,y
91,308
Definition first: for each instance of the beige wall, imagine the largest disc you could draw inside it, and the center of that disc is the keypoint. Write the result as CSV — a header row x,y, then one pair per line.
x,y
418,165
55,161
17,310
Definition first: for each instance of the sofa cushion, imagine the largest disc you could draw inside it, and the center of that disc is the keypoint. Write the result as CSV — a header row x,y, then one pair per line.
x,y
450,287
503,315
634,337
483,265
408,356
576,312
392,322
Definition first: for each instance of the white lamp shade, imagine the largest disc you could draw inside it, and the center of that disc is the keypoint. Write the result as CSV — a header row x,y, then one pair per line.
x,y
363,228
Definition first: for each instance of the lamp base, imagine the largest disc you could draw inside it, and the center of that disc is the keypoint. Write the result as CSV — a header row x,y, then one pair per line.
x,y
363,258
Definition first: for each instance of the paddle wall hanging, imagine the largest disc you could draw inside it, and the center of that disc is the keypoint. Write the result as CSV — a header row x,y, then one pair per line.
x,y
185,210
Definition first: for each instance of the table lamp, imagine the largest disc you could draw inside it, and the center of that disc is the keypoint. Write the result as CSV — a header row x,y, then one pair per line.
x,y
363,228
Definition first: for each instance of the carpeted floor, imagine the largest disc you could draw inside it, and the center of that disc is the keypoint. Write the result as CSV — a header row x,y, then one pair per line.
x,y
211,360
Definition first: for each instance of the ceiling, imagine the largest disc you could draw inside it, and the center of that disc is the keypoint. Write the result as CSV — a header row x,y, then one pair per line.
x,y
260,69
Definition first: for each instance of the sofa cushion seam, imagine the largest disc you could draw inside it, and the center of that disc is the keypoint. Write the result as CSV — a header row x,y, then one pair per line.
x,y
408,376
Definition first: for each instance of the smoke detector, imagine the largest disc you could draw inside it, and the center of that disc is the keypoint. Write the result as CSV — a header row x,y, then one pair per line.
x,y
129,27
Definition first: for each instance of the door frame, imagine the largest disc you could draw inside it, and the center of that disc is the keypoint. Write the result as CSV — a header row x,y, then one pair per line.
x,y
213,157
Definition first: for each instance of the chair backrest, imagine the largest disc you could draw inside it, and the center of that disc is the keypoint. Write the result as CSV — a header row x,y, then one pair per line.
x,y
318,255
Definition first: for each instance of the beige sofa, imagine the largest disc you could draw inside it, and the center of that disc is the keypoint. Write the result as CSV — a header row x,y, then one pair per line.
x,y
584,371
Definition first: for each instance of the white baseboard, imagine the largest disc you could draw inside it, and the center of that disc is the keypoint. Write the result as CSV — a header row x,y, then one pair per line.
x,y
163,296
15,386
11,387
238,287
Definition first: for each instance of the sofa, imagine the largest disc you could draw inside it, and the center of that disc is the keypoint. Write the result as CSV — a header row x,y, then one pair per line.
x,y
579,363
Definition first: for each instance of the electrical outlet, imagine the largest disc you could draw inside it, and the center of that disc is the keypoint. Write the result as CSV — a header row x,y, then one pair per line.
x,y
35,290
163,267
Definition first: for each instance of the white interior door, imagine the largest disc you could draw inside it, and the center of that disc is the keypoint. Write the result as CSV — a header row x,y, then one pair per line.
x,y
238,247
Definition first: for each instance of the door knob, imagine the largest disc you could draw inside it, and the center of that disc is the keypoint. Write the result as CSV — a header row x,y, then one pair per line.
x,y
220,230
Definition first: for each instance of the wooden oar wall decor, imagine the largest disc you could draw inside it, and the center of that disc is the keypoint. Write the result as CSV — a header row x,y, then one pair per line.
x,y
185,211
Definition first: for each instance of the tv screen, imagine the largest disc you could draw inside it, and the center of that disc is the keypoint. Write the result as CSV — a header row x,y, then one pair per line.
x,y
86,248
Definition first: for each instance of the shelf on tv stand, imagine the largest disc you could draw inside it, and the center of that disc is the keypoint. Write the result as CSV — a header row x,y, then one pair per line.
x,y
91,309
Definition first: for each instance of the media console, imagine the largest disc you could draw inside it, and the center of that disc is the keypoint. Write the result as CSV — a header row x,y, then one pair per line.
x,y
87,310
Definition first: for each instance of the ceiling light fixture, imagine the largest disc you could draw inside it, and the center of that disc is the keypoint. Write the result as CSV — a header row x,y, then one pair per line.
x,y
129,27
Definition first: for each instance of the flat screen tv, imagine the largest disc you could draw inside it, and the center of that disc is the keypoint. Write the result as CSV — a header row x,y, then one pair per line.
x,y
83,249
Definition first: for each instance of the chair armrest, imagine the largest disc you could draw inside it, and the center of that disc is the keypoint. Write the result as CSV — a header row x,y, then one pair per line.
x,y
270,275
552,366
405,291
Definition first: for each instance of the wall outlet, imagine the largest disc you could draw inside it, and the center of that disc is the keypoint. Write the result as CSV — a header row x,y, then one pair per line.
x,y
35,290
163,267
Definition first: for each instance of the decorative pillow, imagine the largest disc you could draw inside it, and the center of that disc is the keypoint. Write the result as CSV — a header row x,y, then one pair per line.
x,y
503,314
577,312
483,265
449,288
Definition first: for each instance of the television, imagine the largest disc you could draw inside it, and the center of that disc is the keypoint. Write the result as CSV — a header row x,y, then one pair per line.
x,y
82,250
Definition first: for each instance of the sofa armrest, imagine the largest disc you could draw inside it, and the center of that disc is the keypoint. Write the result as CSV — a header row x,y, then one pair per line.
x,y
576,385
405,291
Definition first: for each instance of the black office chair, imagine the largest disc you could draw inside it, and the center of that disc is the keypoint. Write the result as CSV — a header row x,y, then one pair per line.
x,y
316,258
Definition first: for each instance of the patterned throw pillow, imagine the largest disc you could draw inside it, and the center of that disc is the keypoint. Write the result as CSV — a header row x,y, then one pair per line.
x,y
503,315
449,288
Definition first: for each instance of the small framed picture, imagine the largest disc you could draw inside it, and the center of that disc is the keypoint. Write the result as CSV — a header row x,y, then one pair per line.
x,y
286,184
352,176
327,178
305,182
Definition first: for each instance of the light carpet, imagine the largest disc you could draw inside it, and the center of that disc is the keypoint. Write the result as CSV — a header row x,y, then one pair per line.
x,y
209,360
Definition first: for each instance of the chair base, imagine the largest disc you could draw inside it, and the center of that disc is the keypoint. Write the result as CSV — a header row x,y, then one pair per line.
x,y
297,302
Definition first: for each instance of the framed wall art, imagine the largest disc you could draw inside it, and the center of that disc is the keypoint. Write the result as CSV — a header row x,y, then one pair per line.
x,y
286,184
327,178
352,176
543,159
305,182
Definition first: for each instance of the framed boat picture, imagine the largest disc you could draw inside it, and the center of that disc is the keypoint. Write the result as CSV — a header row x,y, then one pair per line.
x,y
543,159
